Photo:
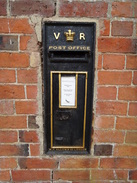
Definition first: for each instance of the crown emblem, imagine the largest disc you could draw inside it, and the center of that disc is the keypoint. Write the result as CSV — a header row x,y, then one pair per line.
x,y
69,35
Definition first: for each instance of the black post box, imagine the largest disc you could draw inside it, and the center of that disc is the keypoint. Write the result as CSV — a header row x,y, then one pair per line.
x,y
69,50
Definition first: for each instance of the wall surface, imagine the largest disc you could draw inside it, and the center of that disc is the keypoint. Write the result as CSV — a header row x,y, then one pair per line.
x,y
113,157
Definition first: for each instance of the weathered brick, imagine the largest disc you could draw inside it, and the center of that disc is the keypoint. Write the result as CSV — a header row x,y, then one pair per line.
x,y
80,9
99,62
24,7
133,175
125,150
24,42
8,42
26,107
13,122
14,60
131,137
14,150
122,28
122,9
133,109
3,5
124,123
131,62
112,108
106,93
104,26
36,163
12,25
8,136
7,163
114,78
4,175
103,150
27,76
35,149
28,136
135,9
108,136
7,76
79,163
31,92
6,107
118,163
135,78
12,92
117,45
32,122
111,61
127,93
104,122
71,174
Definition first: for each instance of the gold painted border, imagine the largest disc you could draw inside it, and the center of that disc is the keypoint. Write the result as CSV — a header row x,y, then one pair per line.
x,y
76,89
51,108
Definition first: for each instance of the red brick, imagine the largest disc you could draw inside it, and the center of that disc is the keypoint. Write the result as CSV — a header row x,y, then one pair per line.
x,y
35,163
6,163
106,93
8,136
114,78
12,92
122,28
112,108
117,45
131,62
127,93
104,27
99,62
135,78
3,6
13,122
133,175
35,149
131,137
26,107
124,123
14,60
4,176
28,136
6,107
32,92
30,175
80,9
7,76
118,163
125,150
71,175
13,25
133,109
103,150
14,150
104,122
24,7
27,76
24,41
79,163
111,61
135,9
122,9
109,136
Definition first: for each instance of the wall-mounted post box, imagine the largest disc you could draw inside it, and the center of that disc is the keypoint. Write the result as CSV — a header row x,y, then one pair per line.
x,y
69,50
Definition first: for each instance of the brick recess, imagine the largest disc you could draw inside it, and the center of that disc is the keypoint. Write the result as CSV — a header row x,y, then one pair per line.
x,y
114,141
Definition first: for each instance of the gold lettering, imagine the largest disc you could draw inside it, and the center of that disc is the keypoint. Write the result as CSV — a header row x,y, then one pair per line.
x,y
56,35
88,48
64,47
70,48
50,47
54,47
82,36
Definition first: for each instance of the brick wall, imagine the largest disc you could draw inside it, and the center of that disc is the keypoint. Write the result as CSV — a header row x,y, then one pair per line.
x,y
113,155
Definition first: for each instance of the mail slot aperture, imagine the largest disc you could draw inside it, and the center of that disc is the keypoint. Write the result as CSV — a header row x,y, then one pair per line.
x,y
69,50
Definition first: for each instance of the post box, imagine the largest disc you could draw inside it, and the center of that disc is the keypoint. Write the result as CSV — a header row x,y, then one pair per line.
x,y
69,51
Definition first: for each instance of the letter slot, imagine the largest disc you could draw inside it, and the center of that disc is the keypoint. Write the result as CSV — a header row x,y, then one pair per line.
x,y
68,78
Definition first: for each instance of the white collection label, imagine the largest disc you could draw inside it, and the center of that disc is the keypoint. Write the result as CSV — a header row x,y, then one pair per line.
x,y
68,91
